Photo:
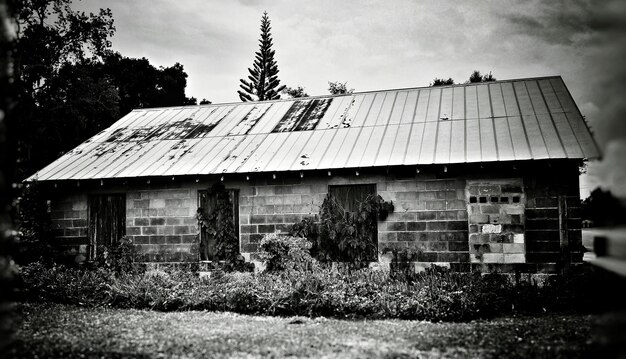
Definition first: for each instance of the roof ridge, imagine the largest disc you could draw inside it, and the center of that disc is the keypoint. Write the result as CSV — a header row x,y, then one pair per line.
x,y
351,94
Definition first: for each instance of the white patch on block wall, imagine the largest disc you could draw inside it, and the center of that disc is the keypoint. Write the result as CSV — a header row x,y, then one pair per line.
x,y
492,228
518,238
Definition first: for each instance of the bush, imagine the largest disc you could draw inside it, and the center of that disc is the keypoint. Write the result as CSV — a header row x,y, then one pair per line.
x,y
435,294
281,252
119,258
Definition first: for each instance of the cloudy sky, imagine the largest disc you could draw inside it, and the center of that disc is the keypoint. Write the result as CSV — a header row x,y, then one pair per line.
x,y
392,44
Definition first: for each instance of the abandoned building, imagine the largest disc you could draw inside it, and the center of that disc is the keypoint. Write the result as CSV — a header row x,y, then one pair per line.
x,y
483,176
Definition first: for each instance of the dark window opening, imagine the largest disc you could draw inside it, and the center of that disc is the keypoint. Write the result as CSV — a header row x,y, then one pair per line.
x,y
348,198
107,221
208,202
516,199
495,199
482,199
504,199
473,199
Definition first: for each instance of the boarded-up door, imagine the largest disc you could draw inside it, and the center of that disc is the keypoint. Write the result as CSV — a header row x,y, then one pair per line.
x,y
349,197
107,220
208,202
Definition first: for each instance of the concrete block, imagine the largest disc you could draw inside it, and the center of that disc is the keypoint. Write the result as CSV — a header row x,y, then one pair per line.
x,y
426,216
396,226
514,258
424,196
456,204
436,246
493,258
457,225
491,228
512,209
147,230
416,226
406,236
490,209
513,248
402,216
79,206
446,215
266,228
401,186
518,238
181,230
479,218
248,229
387,237
437,226
437,205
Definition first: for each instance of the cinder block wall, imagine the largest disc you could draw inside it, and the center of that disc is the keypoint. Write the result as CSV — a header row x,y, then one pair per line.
x,y
160,221
543,252
69,216
163,225
430,217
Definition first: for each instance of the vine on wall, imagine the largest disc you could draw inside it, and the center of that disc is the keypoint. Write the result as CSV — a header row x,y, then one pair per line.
x,y
218,223
341,236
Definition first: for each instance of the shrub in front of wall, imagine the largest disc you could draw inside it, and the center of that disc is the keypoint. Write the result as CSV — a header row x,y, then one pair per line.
x,y
281,252
435,294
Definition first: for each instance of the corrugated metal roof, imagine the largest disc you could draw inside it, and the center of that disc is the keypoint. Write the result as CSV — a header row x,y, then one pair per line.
x,y
497,121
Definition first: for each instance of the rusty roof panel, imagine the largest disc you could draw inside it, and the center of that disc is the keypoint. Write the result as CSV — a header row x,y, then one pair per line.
x,y
499,121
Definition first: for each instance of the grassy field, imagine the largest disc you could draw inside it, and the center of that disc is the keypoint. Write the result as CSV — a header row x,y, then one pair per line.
x,y
66,331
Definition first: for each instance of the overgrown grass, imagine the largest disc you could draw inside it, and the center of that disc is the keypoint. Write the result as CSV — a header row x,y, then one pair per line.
x,y
435,295
60,331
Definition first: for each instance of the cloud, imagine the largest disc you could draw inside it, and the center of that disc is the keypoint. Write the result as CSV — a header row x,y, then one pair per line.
x,y
592,38
610,173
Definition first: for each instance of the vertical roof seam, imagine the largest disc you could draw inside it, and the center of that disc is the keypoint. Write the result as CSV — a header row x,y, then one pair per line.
x,y
336,132
566,119
419,155
395,139
395,97
493,123
519,108
360,129
581,116
451,119
556,129
437,119
408,140
543,138
480,135
465,119
508,123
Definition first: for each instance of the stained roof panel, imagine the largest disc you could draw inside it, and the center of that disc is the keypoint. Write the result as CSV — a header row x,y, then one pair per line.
x,y
499,121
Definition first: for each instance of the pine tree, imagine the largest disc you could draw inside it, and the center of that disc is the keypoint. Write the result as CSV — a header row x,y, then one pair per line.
x,y
264,83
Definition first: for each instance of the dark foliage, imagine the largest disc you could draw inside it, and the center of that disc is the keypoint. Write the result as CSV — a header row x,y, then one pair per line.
x,y
7,163
339,88
295,92
442,82
280,253
141,85
35,228
263,81
71,86
219,224
343,236
118,258
477,77
603,209
435,295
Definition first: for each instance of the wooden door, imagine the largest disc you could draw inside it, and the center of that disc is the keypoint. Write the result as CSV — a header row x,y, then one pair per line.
x,y
107,220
